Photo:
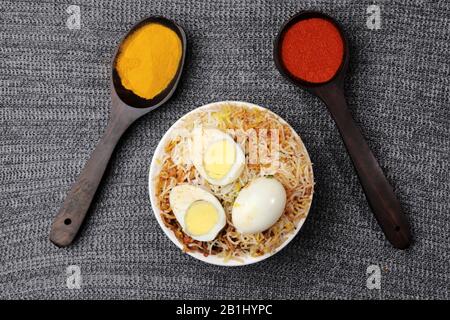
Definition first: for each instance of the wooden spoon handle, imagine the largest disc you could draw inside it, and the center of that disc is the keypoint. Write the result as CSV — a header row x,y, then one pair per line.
x,y
379,192
71,215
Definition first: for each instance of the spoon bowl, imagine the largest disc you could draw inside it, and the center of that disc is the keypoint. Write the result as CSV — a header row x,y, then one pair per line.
x,y
378,191
126,107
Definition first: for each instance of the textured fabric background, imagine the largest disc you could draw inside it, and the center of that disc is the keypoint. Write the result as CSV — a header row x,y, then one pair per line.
x,y
54,85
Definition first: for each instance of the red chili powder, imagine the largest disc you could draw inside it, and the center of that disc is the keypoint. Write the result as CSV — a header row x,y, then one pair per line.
x,y
312,50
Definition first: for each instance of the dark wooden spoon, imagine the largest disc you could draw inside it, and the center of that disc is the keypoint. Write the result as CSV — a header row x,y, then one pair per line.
x,y
379,193
126,108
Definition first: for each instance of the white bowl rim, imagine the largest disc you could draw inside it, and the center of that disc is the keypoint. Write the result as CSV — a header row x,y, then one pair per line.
x,y
154,168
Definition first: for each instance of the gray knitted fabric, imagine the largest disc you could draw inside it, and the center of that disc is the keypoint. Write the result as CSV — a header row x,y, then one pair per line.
x,y
55,100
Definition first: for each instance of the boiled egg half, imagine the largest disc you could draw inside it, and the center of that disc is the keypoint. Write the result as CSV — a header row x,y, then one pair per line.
x,y
199,213
216,156
259,205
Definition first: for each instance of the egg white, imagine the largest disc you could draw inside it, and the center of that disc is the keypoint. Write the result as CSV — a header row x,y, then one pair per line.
x,y
201,139
181,198
259,205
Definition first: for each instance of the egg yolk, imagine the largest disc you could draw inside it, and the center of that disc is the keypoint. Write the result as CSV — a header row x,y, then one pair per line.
x,y
219,158
200,218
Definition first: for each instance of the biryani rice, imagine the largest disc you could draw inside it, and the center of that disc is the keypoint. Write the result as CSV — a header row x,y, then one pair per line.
x,y
294,172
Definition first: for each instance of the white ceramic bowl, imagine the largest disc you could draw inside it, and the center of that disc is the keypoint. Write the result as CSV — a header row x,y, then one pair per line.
x,y
155,168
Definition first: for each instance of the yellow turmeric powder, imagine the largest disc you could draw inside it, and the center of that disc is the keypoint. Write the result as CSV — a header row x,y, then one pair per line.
x,y
149,59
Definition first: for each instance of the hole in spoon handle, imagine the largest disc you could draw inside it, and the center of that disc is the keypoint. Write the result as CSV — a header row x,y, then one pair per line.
x,y
379,192
71,215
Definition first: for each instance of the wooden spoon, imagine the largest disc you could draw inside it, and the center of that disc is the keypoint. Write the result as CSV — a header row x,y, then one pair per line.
x,y
126,108
379,193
